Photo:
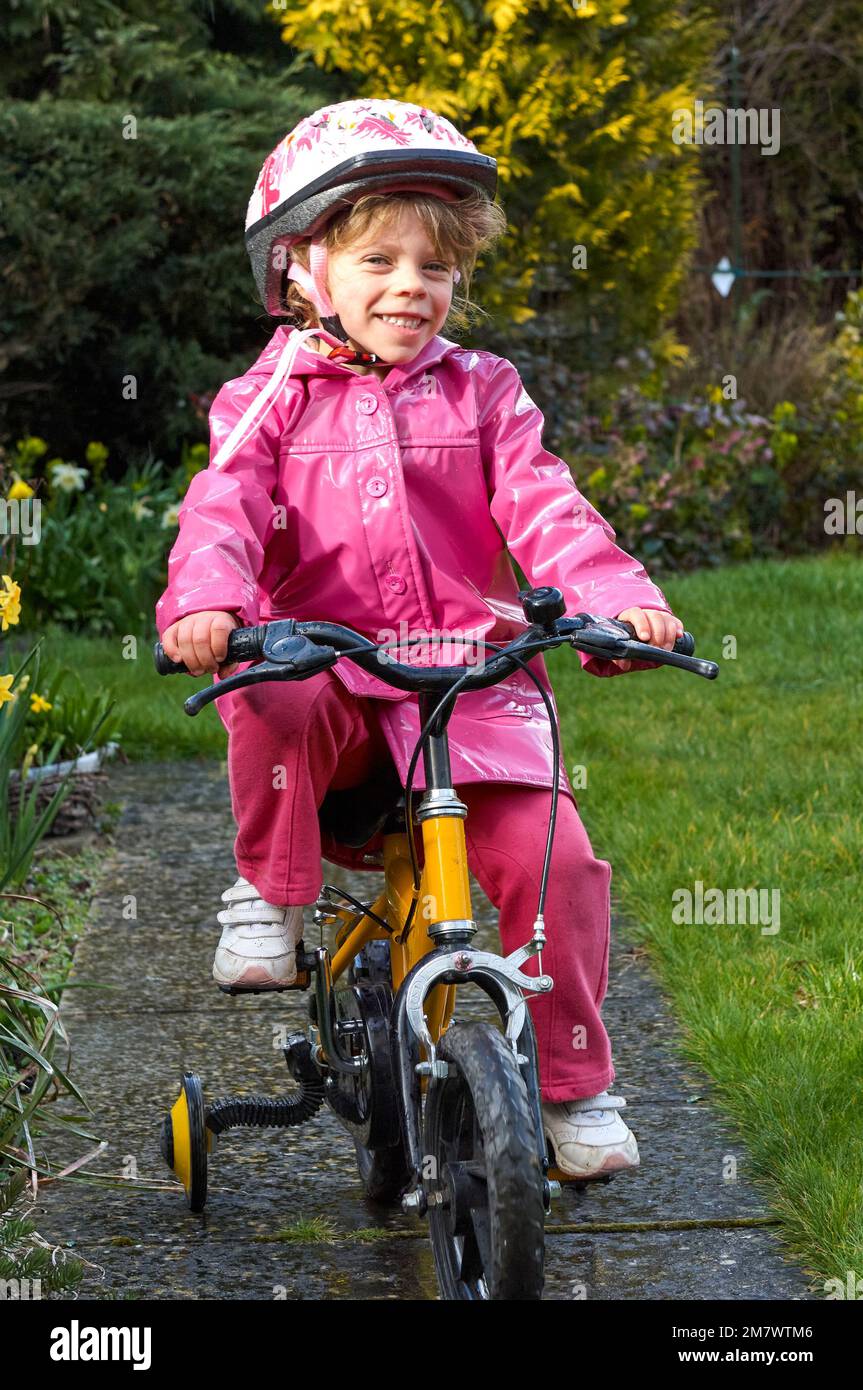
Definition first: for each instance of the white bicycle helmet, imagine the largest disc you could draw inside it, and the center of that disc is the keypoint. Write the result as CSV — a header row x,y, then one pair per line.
x,y
329,159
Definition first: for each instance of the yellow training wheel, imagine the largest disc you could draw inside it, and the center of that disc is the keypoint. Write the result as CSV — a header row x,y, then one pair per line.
x,y
186,1141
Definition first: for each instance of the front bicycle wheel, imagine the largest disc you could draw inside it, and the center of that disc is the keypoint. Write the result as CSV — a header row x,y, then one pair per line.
x,y
486,1211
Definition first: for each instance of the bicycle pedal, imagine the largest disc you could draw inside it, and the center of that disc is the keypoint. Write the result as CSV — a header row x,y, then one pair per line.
x,y
577,1180
302,982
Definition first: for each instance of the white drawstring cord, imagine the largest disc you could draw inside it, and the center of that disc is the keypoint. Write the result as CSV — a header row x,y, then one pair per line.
x,y
249,419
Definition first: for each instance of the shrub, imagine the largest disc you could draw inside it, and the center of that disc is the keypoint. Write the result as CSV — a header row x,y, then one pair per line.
x,y
698,481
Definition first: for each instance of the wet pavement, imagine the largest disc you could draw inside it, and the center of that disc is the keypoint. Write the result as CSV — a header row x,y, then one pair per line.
x,y
286,1216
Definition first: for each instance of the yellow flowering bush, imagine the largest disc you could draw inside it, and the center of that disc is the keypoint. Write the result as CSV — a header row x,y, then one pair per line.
x,y
576,103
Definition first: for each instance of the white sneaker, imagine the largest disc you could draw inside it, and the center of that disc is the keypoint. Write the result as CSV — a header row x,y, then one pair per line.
x,y
588,1138
257,949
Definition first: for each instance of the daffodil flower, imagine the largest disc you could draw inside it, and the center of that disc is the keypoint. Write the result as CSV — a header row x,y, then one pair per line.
x,y
19,490
31,449
10,603
68,477
38,703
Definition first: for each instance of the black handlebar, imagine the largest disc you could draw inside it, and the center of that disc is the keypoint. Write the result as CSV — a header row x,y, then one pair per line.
x,y
290,650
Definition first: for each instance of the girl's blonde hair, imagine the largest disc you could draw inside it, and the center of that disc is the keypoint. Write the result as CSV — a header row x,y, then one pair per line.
x,y
459,232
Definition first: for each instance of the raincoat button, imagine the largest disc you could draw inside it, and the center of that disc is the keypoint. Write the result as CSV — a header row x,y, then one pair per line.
x,y
377,486
396,583
367,404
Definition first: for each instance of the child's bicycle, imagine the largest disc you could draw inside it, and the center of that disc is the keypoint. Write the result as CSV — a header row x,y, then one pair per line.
x,y
447,1118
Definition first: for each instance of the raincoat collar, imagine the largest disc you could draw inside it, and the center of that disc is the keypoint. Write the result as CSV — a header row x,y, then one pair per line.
x,y
310,363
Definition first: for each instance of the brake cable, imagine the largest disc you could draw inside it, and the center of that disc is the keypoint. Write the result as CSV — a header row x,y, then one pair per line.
x,y
362,908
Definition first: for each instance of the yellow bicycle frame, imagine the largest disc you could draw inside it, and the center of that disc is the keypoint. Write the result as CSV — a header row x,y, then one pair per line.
x,y
444,894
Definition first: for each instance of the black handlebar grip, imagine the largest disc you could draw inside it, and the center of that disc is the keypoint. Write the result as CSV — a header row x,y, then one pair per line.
x,y
163,663
244,644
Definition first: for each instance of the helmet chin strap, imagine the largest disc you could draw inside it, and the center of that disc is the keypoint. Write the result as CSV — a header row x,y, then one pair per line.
x,y
335,328
314,282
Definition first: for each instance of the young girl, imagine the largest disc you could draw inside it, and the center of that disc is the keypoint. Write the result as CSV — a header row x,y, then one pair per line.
x,y
368,471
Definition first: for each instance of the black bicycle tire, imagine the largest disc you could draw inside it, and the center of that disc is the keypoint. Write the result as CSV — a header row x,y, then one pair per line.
x,y
196,1195
487,1067
384,1173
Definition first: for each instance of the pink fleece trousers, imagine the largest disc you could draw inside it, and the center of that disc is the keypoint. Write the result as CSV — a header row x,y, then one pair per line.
x,y
290,744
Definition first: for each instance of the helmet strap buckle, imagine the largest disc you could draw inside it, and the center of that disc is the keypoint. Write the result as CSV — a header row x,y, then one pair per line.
x,y
343,353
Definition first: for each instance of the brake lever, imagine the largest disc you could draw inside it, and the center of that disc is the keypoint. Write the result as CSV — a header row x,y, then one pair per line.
x,y
297,658
642,651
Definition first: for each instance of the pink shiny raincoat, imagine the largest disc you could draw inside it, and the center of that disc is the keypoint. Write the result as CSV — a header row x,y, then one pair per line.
x,y
389,506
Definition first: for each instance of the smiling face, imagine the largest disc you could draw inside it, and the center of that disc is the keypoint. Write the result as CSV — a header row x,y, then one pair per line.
x,y
392,273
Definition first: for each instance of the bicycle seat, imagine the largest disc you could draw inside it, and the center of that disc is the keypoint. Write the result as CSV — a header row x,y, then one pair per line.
x,y
355,814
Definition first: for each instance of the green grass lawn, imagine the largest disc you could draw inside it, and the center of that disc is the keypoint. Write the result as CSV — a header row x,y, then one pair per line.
x,y
750,781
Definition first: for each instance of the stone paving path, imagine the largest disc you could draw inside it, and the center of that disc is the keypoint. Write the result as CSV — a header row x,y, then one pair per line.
x,y
162,1013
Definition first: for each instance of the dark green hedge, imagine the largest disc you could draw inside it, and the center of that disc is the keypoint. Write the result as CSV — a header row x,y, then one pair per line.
x,y
126,257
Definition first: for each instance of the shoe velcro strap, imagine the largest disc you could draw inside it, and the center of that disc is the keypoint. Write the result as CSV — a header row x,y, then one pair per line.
x,y
258,912
601,1102
241,892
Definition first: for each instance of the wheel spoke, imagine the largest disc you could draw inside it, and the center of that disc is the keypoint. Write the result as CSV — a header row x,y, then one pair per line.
x,y
465,1117
449,1152
462,1147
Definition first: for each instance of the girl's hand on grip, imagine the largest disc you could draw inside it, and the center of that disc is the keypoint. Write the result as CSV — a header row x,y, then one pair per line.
x,y
653,626
200,641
